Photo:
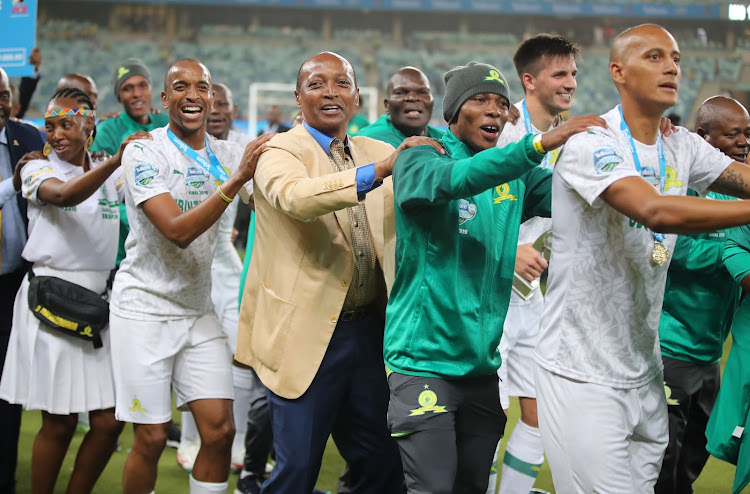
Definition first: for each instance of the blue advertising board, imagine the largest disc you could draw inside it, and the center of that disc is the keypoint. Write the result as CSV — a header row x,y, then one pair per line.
x,y
17,36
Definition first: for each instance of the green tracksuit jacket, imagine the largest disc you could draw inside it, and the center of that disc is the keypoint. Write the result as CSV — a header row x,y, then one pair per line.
x,y
457,220
727,440
700,299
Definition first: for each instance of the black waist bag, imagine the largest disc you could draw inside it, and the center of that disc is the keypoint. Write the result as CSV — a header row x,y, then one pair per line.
x,y
69,308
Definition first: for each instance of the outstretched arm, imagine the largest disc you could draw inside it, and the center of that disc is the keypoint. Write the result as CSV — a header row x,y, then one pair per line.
x,y
640,201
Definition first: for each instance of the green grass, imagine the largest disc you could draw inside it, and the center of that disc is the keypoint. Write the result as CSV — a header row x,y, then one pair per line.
x,y
717,476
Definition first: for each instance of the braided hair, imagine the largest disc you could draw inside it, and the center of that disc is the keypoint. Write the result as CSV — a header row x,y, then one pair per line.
x,y
78,95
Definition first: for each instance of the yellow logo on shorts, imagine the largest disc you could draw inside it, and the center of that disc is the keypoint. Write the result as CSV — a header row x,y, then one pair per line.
x,y
668,393
428,403
137,406
503,194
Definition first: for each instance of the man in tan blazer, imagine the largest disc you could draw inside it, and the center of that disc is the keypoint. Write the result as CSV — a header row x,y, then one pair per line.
x,y
311,322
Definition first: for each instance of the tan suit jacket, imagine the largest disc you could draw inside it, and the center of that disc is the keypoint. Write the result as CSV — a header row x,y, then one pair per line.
x,y
302,260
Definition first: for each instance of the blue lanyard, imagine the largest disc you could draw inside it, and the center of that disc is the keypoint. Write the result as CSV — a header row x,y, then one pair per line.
x,y
214,167
530,130
659,237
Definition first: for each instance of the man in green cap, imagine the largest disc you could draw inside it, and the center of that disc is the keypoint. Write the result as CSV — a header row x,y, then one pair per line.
x,y
408,106
132,82
457,221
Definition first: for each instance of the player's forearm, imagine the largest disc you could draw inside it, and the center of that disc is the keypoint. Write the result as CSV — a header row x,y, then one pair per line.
x,y
78,189
181,228
686,215
735,181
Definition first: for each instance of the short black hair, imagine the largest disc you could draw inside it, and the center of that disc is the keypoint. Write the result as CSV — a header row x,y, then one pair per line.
x,y
530,54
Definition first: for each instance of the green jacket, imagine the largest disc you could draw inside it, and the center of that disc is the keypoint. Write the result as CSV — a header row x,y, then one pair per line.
x,y
456,236
111,132
732,408
700,298
383,130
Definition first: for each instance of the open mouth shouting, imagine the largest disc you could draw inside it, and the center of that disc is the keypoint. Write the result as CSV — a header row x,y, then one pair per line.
x,y
490,131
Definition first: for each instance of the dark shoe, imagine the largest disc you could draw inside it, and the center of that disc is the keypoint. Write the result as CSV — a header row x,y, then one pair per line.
x,y
173,435
250,484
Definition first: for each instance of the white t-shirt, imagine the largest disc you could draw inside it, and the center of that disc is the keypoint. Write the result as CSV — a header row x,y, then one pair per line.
x,y
159,281
82,237
532,228
604,297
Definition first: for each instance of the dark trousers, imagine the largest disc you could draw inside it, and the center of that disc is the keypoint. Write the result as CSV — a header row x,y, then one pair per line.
x,y
348,398
259,437
447,431
691,393
10,415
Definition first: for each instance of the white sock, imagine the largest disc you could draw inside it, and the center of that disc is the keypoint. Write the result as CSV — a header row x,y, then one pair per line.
x,y
523,459
243,381
198,487
492,484
189,429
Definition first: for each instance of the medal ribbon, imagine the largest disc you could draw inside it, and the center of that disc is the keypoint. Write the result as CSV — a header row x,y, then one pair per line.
x,y
214,167
658,237
530,130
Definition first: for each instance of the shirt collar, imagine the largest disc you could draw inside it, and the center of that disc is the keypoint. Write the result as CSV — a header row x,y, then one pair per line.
x,y
3,136
324,140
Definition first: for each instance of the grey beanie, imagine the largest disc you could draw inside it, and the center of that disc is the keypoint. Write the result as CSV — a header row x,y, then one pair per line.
x,y
464,81
127,69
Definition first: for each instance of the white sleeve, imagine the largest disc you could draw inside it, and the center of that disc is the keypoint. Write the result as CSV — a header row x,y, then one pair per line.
x,y
32,175
145,172
592,161
707,164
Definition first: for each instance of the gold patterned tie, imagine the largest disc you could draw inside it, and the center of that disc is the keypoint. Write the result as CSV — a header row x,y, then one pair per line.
x,y
363,289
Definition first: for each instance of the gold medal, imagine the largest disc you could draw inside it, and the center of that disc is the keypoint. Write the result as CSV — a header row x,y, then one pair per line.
x,y
660,254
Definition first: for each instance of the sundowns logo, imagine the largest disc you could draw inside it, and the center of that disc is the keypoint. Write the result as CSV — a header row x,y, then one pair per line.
x,y
494,76
196,177
503,194
427,403
670,180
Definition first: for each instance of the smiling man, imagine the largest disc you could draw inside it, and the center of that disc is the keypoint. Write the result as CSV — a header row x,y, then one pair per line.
x,y
165,332
132,83
457,220
408,106
616,199
546,66
311,322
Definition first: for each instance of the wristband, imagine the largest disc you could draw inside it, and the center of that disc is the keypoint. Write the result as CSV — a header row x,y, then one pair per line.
x,y
223,196
537,143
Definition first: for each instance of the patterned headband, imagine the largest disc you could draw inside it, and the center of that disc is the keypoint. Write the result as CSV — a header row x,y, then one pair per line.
x,y
73,112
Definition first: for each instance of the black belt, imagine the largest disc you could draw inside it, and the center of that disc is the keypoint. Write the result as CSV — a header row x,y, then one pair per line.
x,y
353,315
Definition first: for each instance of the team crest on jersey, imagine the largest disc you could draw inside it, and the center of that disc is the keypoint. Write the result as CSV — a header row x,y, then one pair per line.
x,y
670,180
145,173
427,403
503,194
466,211
606,160
196,177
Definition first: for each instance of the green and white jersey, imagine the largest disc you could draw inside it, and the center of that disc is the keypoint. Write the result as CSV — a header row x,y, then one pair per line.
x,y
75,238
111,132
382,129
158,280
604,294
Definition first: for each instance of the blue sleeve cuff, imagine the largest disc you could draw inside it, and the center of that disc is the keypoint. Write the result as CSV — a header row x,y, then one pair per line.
x,y
7,192
366,180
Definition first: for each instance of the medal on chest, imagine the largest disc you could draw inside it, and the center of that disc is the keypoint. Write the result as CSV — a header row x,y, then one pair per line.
x,y
660,254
